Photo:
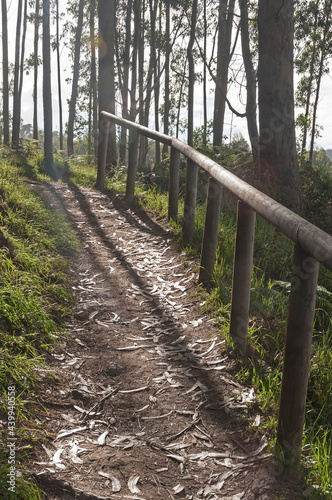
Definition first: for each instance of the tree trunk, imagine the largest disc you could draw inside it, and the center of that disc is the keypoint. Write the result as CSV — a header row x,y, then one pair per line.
x,y
5,84
141,81
72,104
309,87
133,134
167,76
205,74
16,109
106,14
223,58
156,83
59,76
323,56
47,93
251,107
20,87
278,159
35,74
93,79
192,169
125,82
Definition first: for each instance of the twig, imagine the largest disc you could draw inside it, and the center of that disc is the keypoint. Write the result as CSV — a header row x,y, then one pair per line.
x,y
98,403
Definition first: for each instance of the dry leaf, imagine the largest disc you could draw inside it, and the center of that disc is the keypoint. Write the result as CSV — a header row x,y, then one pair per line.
x,y
132,483
69,433
102,438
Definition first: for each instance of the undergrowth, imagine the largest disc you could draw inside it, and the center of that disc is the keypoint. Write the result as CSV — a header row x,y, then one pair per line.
x,y
35,300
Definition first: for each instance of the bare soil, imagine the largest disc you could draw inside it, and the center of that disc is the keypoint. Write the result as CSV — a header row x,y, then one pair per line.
x,y
144,404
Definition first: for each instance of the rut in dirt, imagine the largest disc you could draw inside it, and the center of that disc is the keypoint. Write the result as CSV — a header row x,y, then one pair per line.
x,y
144,405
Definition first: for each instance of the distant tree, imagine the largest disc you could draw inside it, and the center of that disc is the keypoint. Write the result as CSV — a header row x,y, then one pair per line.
x,y
35,66
106,95
225,24
16,104
76,69
47,92
57,42
5,84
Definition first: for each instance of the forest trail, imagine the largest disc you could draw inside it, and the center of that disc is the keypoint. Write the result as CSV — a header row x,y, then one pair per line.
x,y
143,406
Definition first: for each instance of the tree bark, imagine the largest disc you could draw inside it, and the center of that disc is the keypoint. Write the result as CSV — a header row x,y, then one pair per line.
x,y
278,159
59,76
125,82
35,73
153,12
192,169
5,84
223,58
16,111
251,107
106,14
167,76
93,79
47,93
327,30
72,104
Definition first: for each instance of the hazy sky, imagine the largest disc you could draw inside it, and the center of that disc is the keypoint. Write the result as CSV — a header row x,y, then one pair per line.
x,y
238,125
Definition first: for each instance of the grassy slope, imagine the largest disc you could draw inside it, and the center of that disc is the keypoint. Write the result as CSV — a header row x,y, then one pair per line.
x,y
35,299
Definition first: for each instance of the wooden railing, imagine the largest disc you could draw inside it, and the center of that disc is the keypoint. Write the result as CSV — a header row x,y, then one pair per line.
x,y
311,247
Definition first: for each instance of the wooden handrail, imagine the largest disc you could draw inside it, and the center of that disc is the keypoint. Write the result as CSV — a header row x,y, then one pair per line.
x,y
312,246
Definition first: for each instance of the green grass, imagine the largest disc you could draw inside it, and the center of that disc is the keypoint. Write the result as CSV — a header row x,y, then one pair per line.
x,y
35,300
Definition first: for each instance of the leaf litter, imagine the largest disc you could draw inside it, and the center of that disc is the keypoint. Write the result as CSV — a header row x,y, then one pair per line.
x,y
162,437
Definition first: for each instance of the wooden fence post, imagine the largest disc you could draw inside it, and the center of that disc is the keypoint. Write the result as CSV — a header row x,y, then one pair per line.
x,y
210,237
190,200
243,255
173,198
102,152
301,315
132,163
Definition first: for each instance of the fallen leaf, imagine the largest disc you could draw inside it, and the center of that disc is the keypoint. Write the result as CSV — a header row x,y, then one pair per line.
x,y
102,438
132,483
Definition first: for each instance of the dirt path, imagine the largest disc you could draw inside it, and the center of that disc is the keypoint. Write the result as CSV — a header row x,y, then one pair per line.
x,y
143,405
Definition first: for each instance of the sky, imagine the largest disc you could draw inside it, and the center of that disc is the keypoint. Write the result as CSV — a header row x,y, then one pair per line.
x,y
233,124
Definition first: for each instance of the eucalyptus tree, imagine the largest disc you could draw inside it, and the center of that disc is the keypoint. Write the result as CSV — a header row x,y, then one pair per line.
x,y
47,92
251,79
106,90
93,104
225,25
5,74
76,69
192,169
57,46
313,49
278,156
123,43
35,69
16,103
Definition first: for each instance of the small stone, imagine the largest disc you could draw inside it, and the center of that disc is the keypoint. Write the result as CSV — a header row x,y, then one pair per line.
x,y
114,370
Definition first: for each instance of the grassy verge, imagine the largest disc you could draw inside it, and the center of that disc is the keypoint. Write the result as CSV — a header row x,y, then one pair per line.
x,y
269,306
35,300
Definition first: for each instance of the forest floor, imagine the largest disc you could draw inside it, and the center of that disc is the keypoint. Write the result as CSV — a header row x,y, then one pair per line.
x,y
144,404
